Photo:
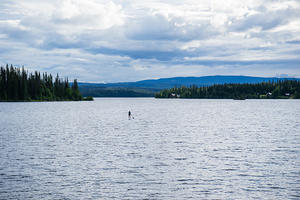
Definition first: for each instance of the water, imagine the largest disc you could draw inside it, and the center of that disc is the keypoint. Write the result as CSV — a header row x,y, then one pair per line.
x,y
172,149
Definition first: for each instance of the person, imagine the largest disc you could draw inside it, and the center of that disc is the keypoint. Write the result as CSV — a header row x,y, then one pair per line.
x,y
129,114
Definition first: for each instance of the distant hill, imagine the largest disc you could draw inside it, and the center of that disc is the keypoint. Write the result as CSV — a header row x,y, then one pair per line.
x,y
148,88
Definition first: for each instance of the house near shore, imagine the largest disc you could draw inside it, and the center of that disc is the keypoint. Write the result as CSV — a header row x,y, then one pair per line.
x,y
173,95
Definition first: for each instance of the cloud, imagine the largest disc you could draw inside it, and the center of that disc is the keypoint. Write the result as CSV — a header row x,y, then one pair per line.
x,y
293,42
159,27
99,40
136,54
265,19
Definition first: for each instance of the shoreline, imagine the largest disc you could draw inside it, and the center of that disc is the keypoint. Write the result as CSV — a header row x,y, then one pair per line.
x,y
15,101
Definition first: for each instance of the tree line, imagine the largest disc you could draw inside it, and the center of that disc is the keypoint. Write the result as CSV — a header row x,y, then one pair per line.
x,y
17,84
100,91
281,89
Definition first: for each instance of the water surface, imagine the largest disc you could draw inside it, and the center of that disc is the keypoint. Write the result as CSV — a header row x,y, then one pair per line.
x,y
172,149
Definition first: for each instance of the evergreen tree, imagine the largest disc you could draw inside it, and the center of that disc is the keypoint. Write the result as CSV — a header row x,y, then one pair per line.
x,y
75,91
279,89
18,85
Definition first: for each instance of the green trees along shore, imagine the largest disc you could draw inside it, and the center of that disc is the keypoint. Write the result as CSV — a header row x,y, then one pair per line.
x,y
281,89
18,85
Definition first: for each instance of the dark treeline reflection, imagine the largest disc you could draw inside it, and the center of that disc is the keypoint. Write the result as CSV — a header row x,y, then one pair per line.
x,y
18,85
281,89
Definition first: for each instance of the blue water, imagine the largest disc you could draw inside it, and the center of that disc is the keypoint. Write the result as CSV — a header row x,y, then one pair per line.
x,y
172,149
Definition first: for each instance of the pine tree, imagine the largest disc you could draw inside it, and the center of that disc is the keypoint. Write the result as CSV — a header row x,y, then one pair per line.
x,y
18,85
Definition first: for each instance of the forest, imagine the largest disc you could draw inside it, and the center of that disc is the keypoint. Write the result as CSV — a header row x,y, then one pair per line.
x,y
281,89
96,91
17,84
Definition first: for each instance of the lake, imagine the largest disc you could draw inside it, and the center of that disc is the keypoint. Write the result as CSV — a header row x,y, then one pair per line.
x,y
172,149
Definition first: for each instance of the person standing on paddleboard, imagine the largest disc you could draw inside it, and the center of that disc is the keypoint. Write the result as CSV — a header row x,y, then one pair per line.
x,y
129,114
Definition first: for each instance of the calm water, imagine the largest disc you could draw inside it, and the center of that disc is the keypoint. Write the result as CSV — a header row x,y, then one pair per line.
x,y
172,149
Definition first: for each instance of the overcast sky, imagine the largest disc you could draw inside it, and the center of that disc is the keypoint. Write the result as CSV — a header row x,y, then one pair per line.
x,y
129,40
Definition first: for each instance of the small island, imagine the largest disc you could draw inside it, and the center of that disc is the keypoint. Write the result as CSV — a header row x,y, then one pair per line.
x,y
281,89
17,84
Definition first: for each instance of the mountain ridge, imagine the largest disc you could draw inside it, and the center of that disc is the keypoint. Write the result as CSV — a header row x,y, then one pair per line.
x,y
216,79
149,87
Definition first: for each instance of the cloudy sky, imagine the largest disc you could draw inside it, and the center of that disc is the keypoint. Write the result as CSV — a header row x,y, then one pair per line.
x,y
129,40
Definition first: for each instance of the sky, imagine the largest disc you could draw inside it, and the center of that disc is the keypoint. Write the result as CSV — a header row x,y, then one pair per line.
x,y
131,40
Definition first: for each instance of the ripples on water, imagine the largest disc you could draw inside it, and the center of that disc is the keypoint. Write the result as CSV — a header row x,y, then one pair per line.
x,y
173,149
